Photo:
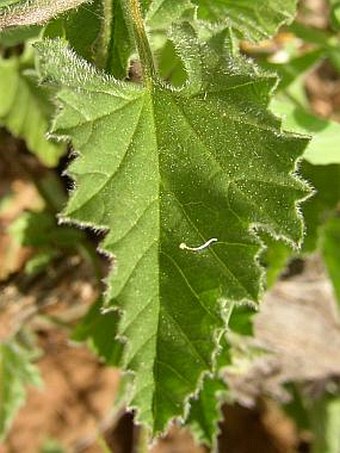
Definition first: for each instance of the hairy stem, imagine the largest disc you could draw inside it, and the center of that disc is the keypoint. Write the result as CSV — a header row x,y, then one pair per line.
x,y
142,42
105,33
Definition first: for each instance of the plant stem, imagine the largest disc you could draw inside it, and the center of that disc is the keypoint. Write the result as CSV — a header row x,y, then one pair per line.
x,y
105,33
135,16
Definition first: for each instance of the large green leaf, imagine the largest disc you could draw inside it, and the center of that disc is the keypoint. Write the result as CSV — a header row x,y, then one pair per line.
x,y
16,372
25,109
159,167
252,19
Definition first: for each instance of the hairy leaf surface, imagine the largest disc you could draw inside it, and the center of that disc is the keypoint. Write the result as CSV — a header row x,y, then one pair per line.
x,y
159,167
33,12
253,19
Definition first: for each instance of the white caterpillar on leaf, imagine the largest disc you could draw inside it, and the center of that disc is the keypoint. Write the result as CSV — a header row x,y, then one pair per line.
x,y
183,246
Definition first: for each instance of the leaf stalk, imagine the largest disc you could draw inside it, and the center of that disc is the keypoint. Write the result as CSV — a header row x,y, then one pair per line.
x,y
142,42
105,33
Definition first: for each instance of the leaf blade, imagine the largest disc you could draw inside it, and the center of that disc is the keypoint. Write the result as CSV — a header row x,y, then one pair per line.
x,y
168,165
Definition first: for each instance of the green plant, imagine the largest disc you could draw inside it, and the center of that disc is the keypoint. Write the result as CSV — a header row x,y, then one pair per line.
x,y
184,166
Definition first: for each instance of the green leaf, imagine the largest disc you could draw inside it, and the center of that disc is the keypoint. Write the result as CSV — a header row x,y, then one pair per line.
x,y
295,68
274,258
6,3
99,329
325,417
170,66
40,261
330,240
160,167
321,207
335,15
25,109
40,229
120,42
87,19
254,20
35,12
323,149
205,411
160,14
107,40
16,372
310,34
15,36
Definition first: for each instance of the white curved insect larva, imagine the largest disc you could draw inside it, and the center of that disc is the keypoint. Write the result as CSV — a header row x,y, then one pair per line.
x,y
183,246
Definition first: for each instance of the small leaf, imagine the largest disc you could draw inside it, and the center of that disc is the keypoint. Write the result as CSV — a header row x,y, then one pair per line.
x,y
15,36
16,372
25,109
35,12
87,18
40,229
165,169
119,41
274,258
205,411
99,330
162,13
253,20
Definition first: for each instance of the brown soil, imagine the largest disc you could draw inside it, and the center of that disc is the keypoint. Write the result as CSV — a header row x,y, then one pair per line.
x,y
75,404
